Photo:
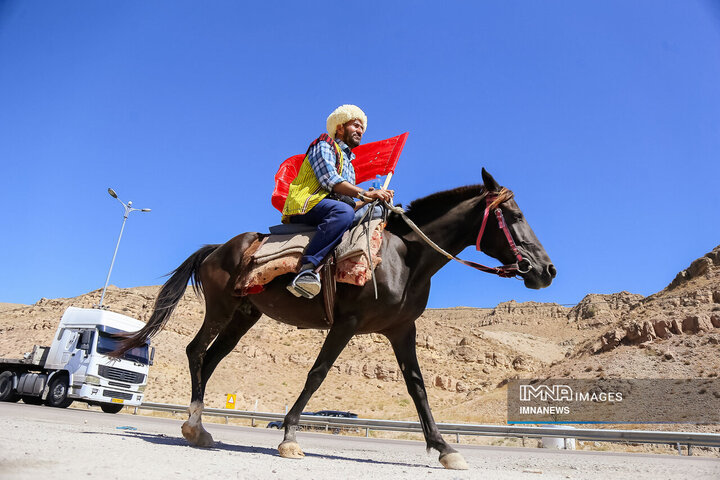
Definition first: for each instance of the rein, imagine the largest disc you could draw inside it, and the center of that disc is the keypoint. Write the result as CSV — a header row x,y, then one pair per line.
x,y
492,202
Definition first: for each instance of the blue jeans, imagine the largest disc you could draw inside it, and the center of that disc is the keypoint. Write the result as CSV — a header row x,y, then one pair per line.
x,y
332,218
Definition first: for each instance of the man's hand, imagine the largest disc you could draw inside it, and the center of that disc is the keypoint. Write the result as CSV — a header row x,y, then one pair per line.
x,y
385,195
346,188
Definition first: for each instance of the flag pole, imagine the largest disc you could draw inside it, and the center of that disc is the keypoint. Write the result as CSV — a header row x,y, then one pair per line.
x,y
387,180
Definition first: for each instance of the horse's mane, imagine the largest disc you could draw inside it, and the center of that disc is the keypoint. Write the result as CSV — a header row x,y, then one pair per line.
x,y
434,205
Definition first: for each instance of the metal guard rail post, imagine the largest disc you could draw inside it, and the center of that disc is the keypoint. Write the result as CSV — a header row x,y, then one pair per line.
x,y
584,434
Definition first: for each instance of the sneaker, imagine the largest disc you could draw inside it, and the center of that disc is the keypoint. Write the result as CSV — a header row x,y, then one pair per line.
x,y
306,284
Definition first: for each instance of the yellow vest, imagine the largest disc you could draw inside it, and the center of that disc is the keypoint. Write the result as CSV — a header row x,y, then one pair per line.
x,y
305,191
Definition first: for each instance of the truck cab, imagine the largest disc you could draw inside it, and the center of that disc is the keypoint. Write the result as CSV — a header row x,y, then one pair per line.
x,y
82,341
76,365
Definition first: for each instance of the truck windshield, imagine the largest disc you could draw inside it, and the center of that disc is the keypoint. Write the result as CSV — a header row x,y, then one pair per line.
x,y
107,344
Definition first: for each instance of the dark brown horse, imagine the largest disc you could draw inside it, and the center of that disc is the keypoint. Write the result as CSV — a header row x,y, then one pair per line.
x,y
452,219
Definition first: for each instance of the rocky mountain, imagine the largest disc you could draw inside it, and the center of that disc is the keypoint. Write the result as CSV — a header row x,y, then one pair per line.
x,y
674,333
689,305
467,354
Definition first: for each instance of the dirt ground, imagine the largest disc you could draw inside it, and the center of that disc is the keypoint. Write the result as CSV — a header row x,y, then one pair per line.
x,y
116,446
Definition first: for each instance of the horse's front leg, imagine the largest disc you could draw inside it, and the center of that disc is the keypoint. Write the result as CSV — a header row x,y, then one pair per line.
x,y
403,343
337,338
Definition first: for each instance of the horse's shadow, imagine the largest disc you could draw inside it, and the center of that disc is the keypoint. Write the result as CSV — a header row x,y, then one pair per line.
x,y
161,439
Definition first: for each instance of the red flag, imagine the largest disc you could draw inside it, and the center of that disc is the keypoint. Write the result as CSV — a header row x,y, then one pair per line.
x,y
371,159
377,158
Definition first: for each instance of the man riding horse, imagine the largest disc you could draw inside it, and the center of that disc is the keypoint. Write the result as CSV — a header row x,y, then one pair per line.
x,y
415,244
324,193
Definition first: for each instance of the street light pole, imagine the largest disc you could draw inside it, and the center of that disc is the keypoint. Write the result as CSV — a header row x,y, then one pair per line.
x,y
128,209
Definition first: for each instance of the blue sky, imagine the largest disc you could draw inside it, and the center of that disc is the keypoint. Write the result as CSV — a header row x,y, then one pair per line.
x,y
602,116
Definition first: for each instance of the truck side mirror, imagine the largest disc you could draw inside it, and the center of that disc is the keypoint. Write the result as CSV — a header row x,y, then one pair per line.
x,y
152,355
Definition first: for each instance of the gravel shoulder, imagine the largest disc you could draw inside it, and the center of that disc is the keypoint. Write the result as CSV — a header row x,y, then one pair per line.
x,y
73,443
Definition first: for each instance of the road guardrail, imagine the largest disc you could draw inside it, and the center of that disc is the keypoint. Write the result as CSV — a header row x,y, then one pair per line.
x,y
676,439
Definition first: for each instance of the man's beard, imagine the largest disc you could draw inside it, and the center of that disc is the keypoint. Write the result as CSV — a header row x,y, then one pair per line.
x,y
350,140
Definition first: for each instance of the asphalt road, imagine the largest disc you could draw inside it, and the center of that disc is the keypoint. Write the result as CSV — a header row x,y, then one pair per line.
x,y
43,442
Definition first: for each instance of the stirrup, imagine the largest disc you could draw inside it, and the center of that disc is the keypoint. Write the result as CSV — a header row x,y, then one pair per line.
x,y
306,290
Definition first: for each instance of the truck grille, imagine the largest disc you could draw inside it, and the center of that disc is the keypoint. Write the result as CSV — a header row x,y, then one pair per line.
x,y
115,394
120,375
118,384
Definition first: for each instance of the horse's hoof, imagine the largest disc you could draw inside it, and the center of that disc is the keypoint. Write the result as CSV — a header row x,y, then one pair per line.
x,y
197,436
290,450
453,461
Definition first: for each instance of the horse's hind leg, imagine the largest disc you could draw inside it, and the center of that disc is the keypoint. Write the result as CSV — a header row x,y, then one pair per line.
x,y
403,344
215,321
226,331
336,340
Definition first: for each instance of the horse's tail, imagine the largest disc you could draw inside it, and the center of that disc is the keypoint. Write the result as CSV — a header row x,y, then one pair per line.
x,y
167,299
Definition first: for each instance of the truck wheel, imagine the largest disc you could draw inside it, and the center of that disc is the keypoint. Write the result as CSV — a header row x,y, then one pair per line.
x,y
7,391
32,400
58,393
111,407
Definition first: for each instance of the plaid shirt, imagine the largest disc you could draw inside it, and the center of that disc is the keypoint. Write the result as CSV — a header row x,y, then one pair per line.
x,y
322,160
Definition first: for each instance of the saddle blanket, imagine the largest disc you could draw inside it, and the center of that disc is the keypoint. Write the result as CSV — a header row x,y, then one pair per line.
x,y
280,254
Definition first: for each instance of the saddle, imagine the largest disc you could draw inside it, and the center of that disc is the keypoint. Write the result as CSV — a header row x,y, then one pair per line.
x,y
279,253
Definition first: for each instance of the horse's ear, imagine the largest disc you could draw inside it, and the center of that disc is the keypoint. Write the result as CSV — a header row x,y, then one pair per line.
x,y
490,184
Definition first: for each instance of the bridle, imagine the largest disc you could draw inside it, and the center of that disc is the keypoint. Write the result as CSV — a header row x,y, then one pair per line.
x,y
492,203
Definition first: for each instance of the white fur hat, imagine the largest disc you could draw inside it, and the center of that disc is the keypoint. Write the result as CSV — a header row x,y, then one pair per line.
x,y
342,115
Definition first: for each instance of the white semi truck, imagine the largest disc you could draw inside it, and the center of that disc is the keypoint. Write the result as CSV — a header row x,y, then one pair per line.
x,y
76,365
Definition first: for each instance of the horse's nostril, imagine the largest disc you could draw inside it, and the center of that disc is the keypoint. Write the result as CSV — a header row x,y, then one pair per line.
x,y
552,271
